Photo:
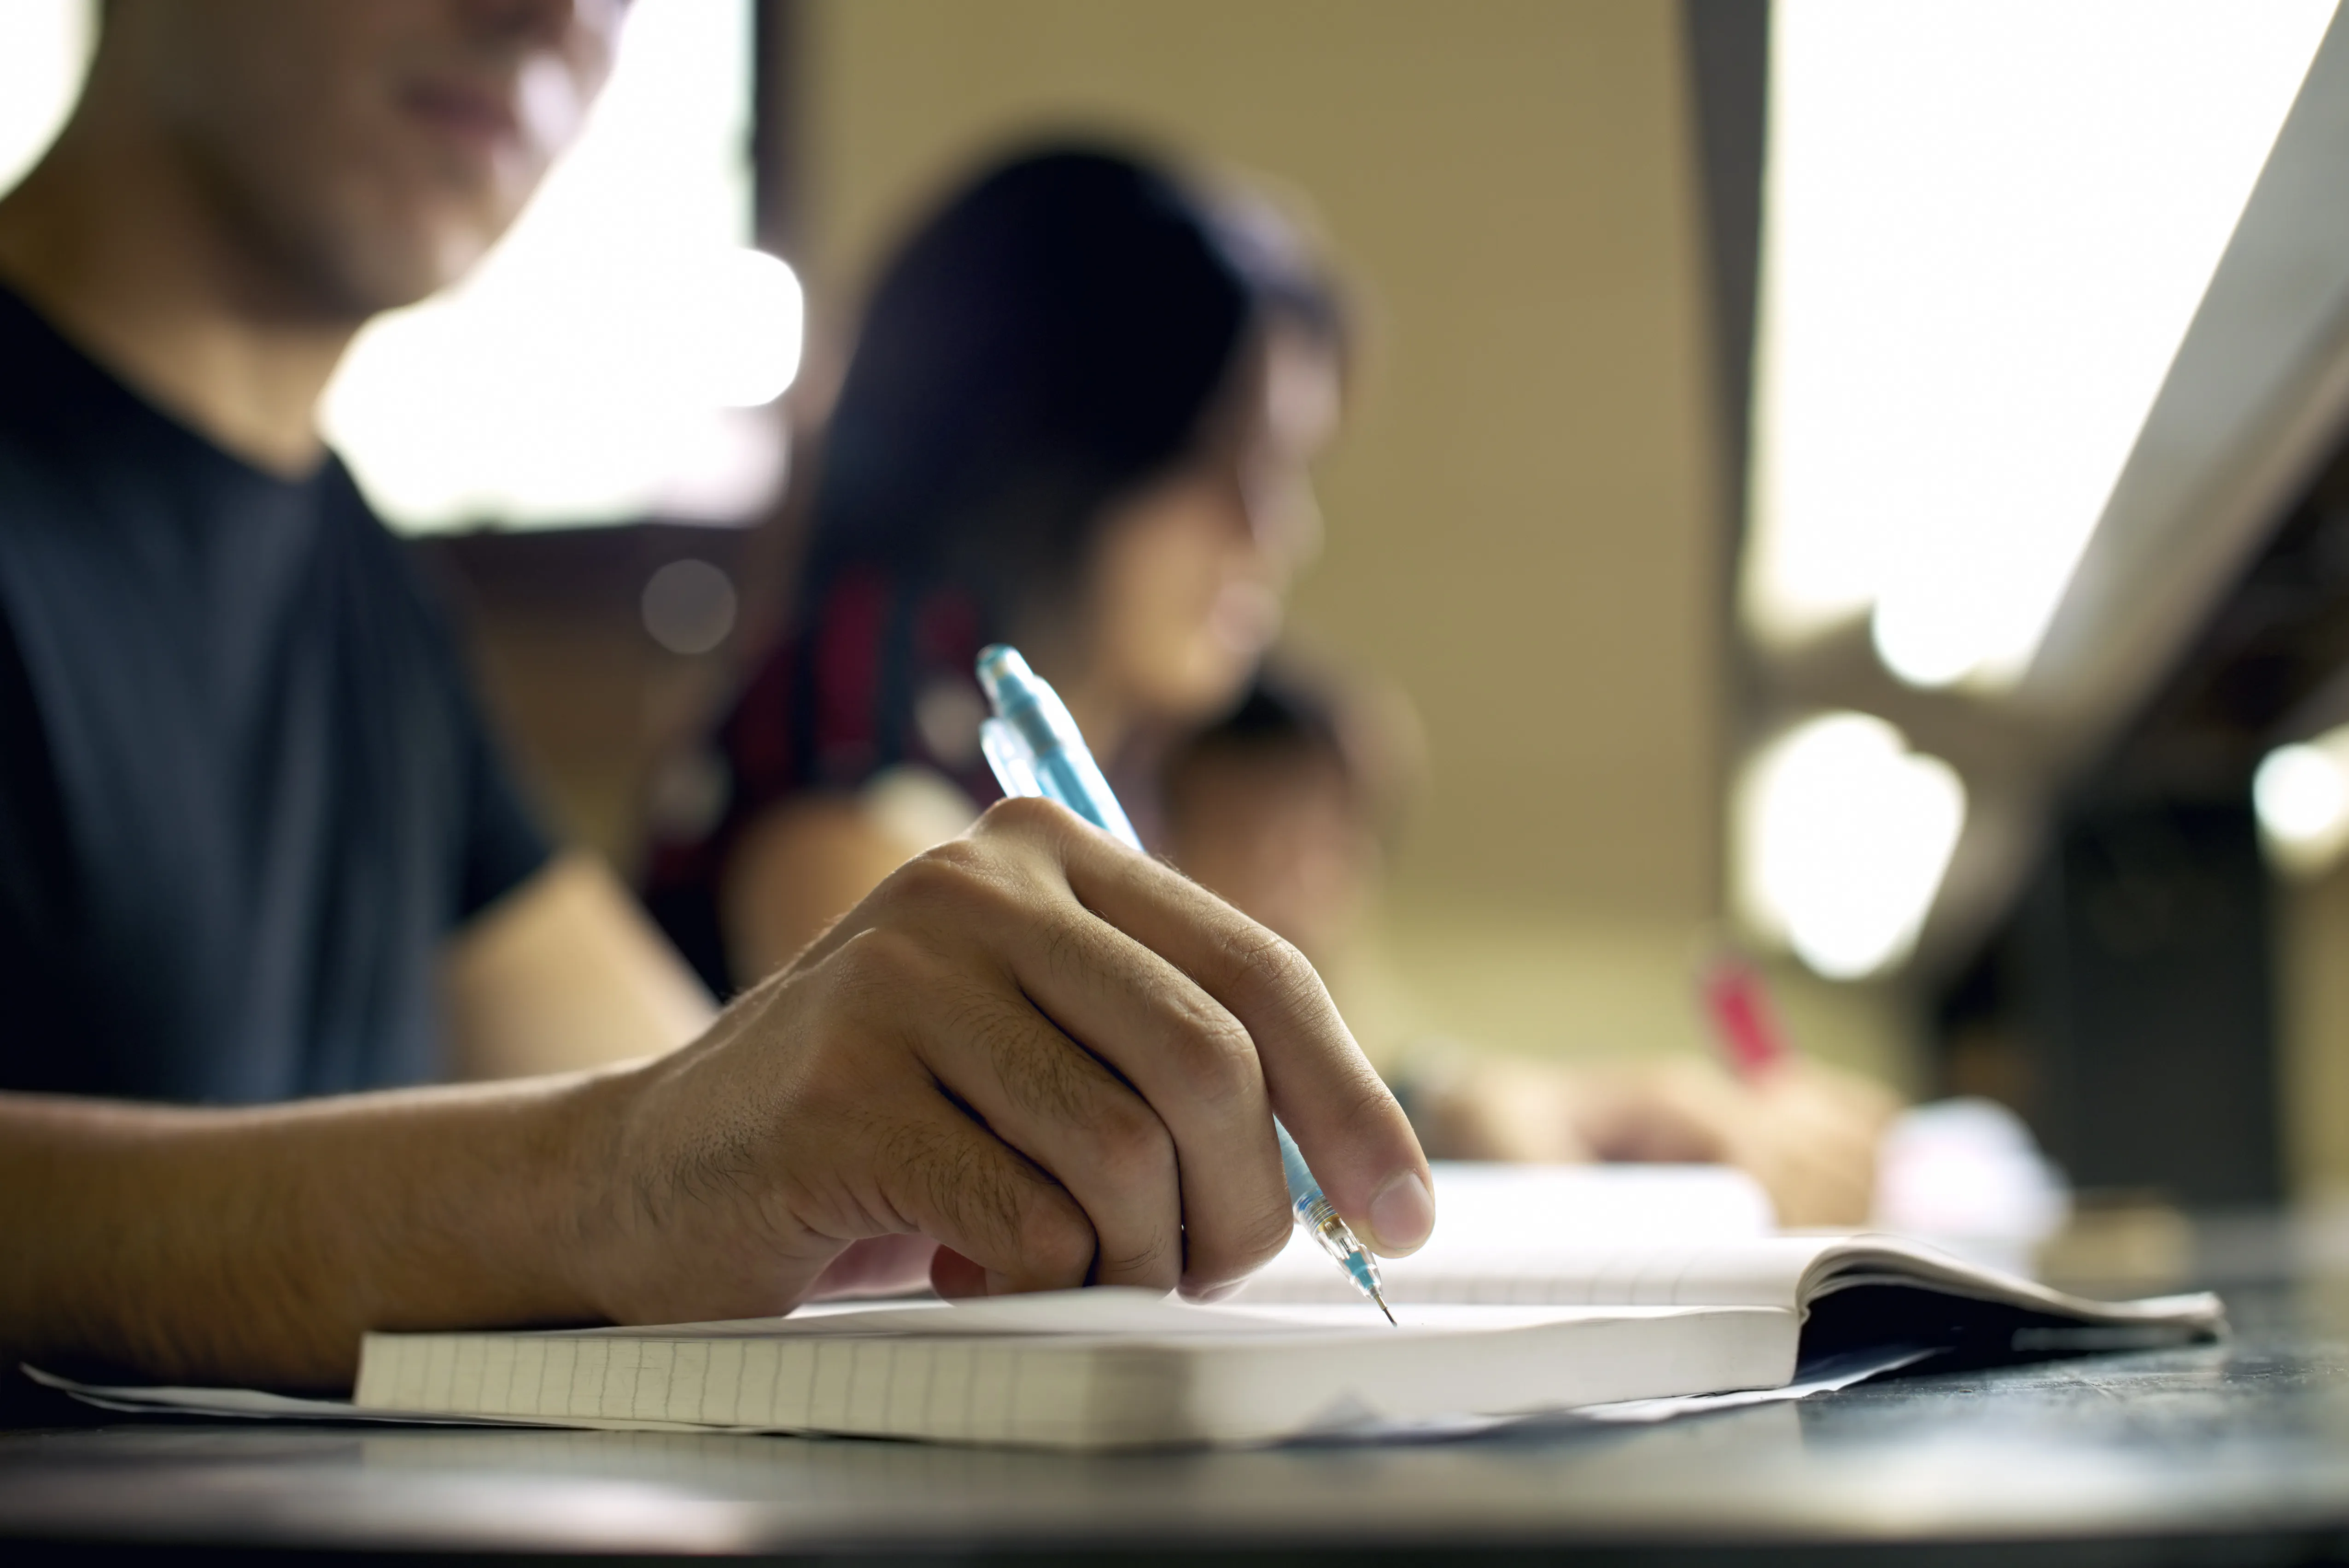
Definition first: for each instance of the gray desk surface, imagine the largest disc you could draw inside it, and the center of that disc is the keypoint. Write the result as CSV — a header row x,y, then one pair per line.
x,y
2224,1453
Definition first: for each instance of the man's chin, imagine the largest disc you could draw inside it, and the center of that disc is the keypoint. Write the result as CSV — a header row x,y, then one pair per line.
x,y
387,266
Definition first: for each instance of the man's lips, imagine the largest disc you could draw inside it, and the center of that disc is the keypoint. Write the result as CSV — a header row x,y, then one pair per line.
x,y
470,114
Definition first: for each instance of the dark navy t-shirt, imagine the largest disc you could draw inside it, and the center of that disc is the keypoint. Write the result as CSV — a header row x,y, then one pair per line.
x,y
244,792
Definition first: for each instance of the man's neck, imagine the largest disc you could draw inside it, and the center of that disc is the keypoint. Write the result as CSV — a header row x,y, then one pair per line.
x,y
121,254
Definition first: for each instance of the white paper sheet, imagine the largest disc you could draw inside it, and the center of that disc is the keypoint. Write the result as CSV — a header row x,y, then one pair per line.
x,y
245,1404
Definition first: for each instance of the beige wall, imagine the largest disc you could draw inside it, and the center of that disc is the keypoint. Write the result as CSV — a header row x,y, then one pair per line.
x,y
2312,934
1521,524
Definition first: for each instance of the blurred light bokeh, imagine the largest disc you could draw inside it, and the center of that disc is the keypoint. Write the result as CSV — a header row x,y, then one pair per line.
x,y
689,605
2301,795
1840,834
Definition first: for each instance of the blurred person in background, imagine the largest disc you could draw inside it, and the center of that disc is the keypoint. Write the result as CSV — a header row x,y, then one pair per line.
x,y
1286,806
1078,418
262,876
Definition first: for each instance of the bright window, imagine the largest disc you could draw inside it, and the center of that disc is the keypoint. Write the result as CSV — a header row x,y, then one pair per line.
x,y
1987,226
610,359
44,49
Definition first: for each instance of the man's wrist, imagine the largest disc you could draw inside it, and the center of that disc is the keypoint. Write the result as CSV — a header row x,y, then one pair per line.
x,y
582,1206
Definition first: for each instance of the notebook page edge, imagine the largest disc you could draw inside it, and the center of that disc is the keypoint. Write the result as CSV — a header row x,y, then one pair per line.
x,y
1922,1264
1075,1394
1587,1359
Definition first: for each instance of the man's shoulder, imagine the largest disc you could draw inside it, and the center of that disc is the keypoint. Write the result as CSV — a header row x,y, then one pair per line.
x,y
49,541
37,481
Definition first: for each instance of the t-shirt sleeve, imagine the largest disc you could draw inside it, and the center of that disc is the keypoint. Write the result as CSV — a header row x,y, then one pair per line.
x,y
504,845
496,835
38,915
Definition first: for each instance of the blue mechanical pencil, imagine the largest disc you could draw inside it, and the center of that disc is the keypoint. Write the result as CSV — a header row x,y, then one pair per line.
x,y
1035,749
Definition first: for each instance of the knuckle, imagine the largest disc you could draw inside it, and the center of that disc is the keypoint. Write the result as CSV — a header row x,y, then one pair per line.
x,y
1157,1259
1130,1147
1054,1241
1073,949
1024,816
1213,1051
1266,966
876,962
956,884
1252,1239
1366,1098
929,880
983,1196
1044,1076
960,850
958,856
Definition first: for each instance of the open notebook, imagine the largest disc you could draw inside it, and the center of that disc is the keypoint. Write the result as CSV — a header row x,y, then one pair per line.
x,y
1492,1326
1091,1369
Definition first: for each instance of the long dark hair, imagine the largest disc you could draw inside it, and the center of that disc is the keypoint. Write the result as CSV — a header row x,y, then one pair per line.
x,y
1047,344
1044,344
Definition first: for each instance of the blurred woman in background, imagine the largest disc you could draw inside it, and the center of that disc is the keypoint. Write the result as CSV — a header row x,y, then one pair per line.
x,y
1078,418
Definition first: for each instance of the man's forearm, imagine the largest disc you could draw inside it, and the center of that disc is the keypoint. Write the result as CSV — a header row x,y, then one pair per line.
x,y
1053,1058
255,1246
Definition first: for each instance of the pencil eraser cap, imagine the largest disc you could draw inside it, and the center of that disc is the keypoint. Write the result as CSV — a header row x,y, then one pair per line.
x,y
1003,675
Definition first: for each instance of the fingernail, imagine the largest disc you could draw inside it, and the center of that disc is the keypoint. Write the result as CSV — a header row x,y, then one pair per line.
x,y
1403,1213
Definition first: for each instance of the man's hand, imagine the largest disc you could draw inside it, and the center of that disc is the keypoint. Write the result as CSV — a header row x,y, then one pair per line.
x,y
1032,1054
1054,1057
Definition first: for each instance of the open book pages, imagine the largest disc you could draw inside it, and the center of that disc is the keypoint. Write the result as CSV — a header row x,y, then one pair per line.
x,y
1502,1232
1084,1369
1850,1291
1486,1208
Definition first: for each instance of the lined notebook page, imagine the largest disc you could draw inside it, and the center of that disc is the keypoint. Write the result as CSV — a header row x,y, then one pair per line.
x,y
1760,1271
1783,1272
1567,1235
